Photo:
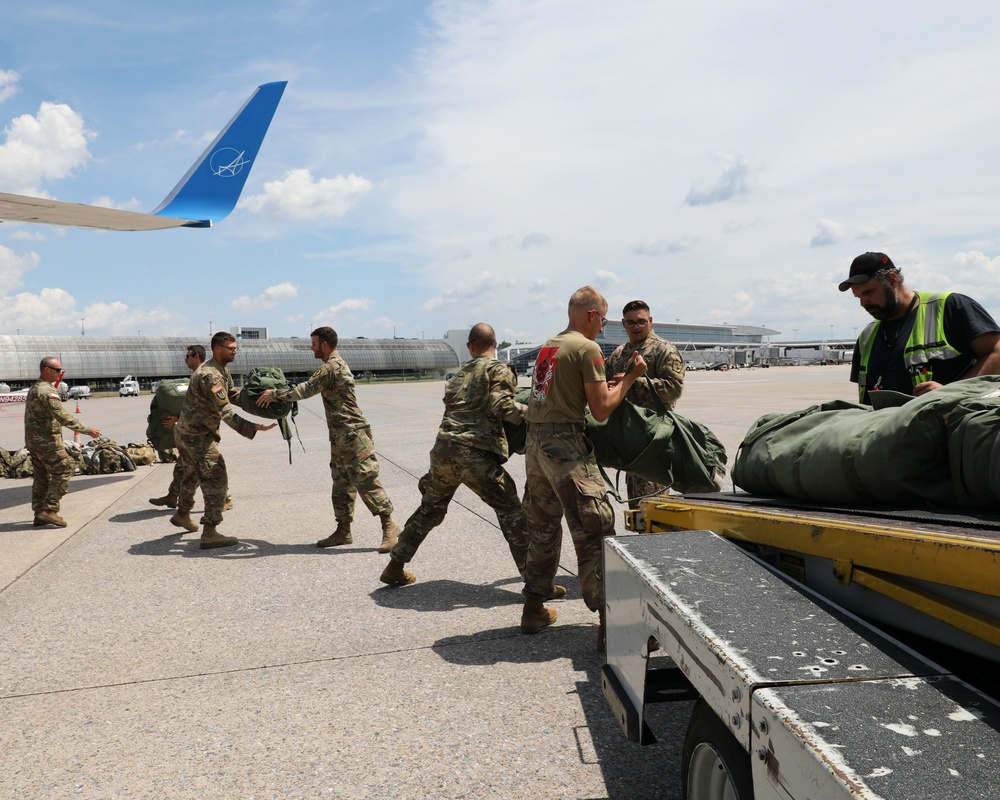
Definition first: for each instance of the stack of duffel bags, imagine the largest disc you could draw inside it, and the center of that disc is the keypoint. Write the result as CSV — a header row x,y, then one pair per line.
x,y
939,450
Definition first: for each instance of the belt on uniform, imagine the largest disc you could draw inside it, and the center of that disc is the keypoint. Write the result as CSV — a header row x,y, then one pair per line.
x,y
555,427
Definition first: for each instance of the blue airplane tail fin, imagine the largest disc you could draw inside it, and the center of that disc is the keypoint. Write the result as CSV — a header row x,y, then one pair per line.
x,y
210,189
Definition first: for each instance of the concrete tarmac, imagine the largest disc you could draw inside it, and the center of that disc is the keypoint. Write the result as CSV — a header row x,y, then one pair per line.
x,y
135,665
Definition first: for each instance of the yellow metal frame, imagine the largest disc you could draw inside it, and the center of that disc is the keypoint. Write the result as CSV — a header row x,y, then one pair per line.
x,y
884,559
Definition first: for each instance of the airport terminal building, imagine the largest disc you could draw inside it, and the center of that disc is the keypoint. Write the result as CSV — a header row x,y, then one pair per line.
x,y
102,361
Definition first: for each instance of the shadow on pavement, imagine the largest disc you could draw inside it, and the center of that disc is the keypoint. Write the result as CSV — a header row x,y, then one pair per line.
x,y
170,544
630,771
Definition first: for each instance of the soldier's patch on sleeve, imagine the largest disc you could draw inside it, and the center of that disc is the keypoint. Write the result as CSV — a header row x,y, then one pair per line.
x,y
217,388
54,395
599,361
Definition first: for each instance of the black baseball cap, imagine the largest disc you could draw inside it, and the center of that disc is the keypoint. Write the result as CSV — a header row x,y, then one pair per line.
x,y
864,267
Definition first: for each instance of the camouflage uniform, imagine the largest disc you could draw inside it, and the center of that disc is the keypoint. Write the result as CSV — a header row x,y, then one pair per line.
x,y
665,368
561,474
353,464
471,448
44,419
206,405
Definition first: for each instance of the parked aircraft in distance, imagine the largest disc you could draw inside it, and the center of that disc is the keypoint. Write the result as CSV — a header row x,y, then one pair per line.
x,y
206,194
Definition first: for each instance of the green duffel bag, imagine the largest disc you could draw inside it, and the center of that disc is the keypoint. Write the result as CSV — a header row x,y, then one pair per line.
x,y
849,454
259,380
517,433
659,446
167,402
974,450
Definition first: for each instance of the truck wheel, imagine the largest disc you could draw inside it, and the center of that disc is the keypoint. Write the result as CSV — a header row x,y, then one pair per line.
x,y
713,765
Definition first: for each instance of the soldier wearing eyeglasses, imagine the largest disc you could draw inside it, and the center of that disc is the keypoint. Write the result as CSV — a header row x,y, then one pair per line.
x,y
207,404
665,369
44,419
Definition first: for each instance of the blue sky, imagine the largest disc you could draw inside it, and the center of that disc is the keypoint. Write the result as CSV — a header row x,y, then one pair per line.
x,y
436,164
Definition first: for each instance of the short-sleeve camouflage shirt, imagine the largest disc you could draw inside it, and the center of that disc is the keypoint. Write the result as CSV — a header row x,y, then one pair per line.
x,y
476,402
665,369
335,382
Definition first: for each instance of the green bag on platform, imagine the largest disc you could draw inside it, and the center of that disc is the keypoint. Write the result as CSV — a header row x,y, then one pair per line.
x,y
935,450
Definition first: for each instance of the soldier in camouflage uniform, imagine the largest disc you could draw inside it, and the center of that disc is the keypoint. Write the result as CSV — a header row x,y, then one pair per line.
x,y
471,448
353,464
44,419
665,369
206,406
562,477
184,473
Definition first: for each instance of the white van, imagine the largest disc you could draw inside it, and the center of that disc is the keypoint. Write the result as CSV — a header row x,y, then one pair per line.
x,y
128,387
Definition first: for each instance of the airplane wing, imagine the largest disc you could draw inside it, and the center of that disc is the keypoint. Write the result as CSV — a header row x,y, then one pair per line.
x,y
206,194
19,208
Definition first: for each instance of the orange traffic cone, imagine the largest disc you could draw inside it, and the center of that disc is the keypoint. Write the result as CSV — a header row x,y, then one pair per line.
x,y
76,434
77,406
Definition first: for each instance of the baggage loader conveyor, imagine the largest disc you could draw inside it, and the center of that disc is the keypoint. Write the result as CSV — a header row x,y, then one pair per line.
x,y
797,697
936,574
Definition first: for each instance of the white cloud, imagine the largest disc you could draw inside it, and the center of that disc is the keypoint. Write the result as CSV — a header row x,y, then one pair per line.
x,y
300,196
349,304
43,148
871,232
604,277
662,247
8,84
464,291
41,313
13,267
535,240
735,180
382,327
266,300
25,235
827,232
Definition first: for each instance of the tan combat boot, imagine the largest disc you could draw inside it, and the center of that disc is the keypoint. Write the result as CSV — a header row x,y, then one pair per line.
x,y
395,575
390,533
210,538
50,518
535,615
340,536
182,519
168,500
558,593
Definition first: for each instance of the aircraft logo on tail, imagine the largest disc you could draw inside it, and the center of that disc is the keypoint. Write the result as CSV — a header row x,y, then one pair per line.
x,y
196,202
223,168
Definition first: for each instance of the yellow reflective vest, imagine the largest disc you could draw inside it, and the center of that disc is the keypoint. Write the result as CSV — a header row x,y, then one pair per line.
x,y
927,341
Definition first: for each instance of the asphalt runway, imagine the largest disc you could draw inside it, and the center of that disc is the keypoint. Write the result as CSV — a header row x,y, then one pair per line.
x,y
135,665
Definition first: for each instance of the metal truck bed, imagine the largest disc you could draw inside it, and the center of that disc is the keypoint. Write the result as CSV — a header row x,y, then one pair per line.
x,y
934,574
820,703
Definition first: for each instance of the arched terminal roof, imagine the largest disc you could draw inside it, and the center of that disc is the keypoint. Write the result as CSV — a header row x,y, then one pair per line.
x,y
114,357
